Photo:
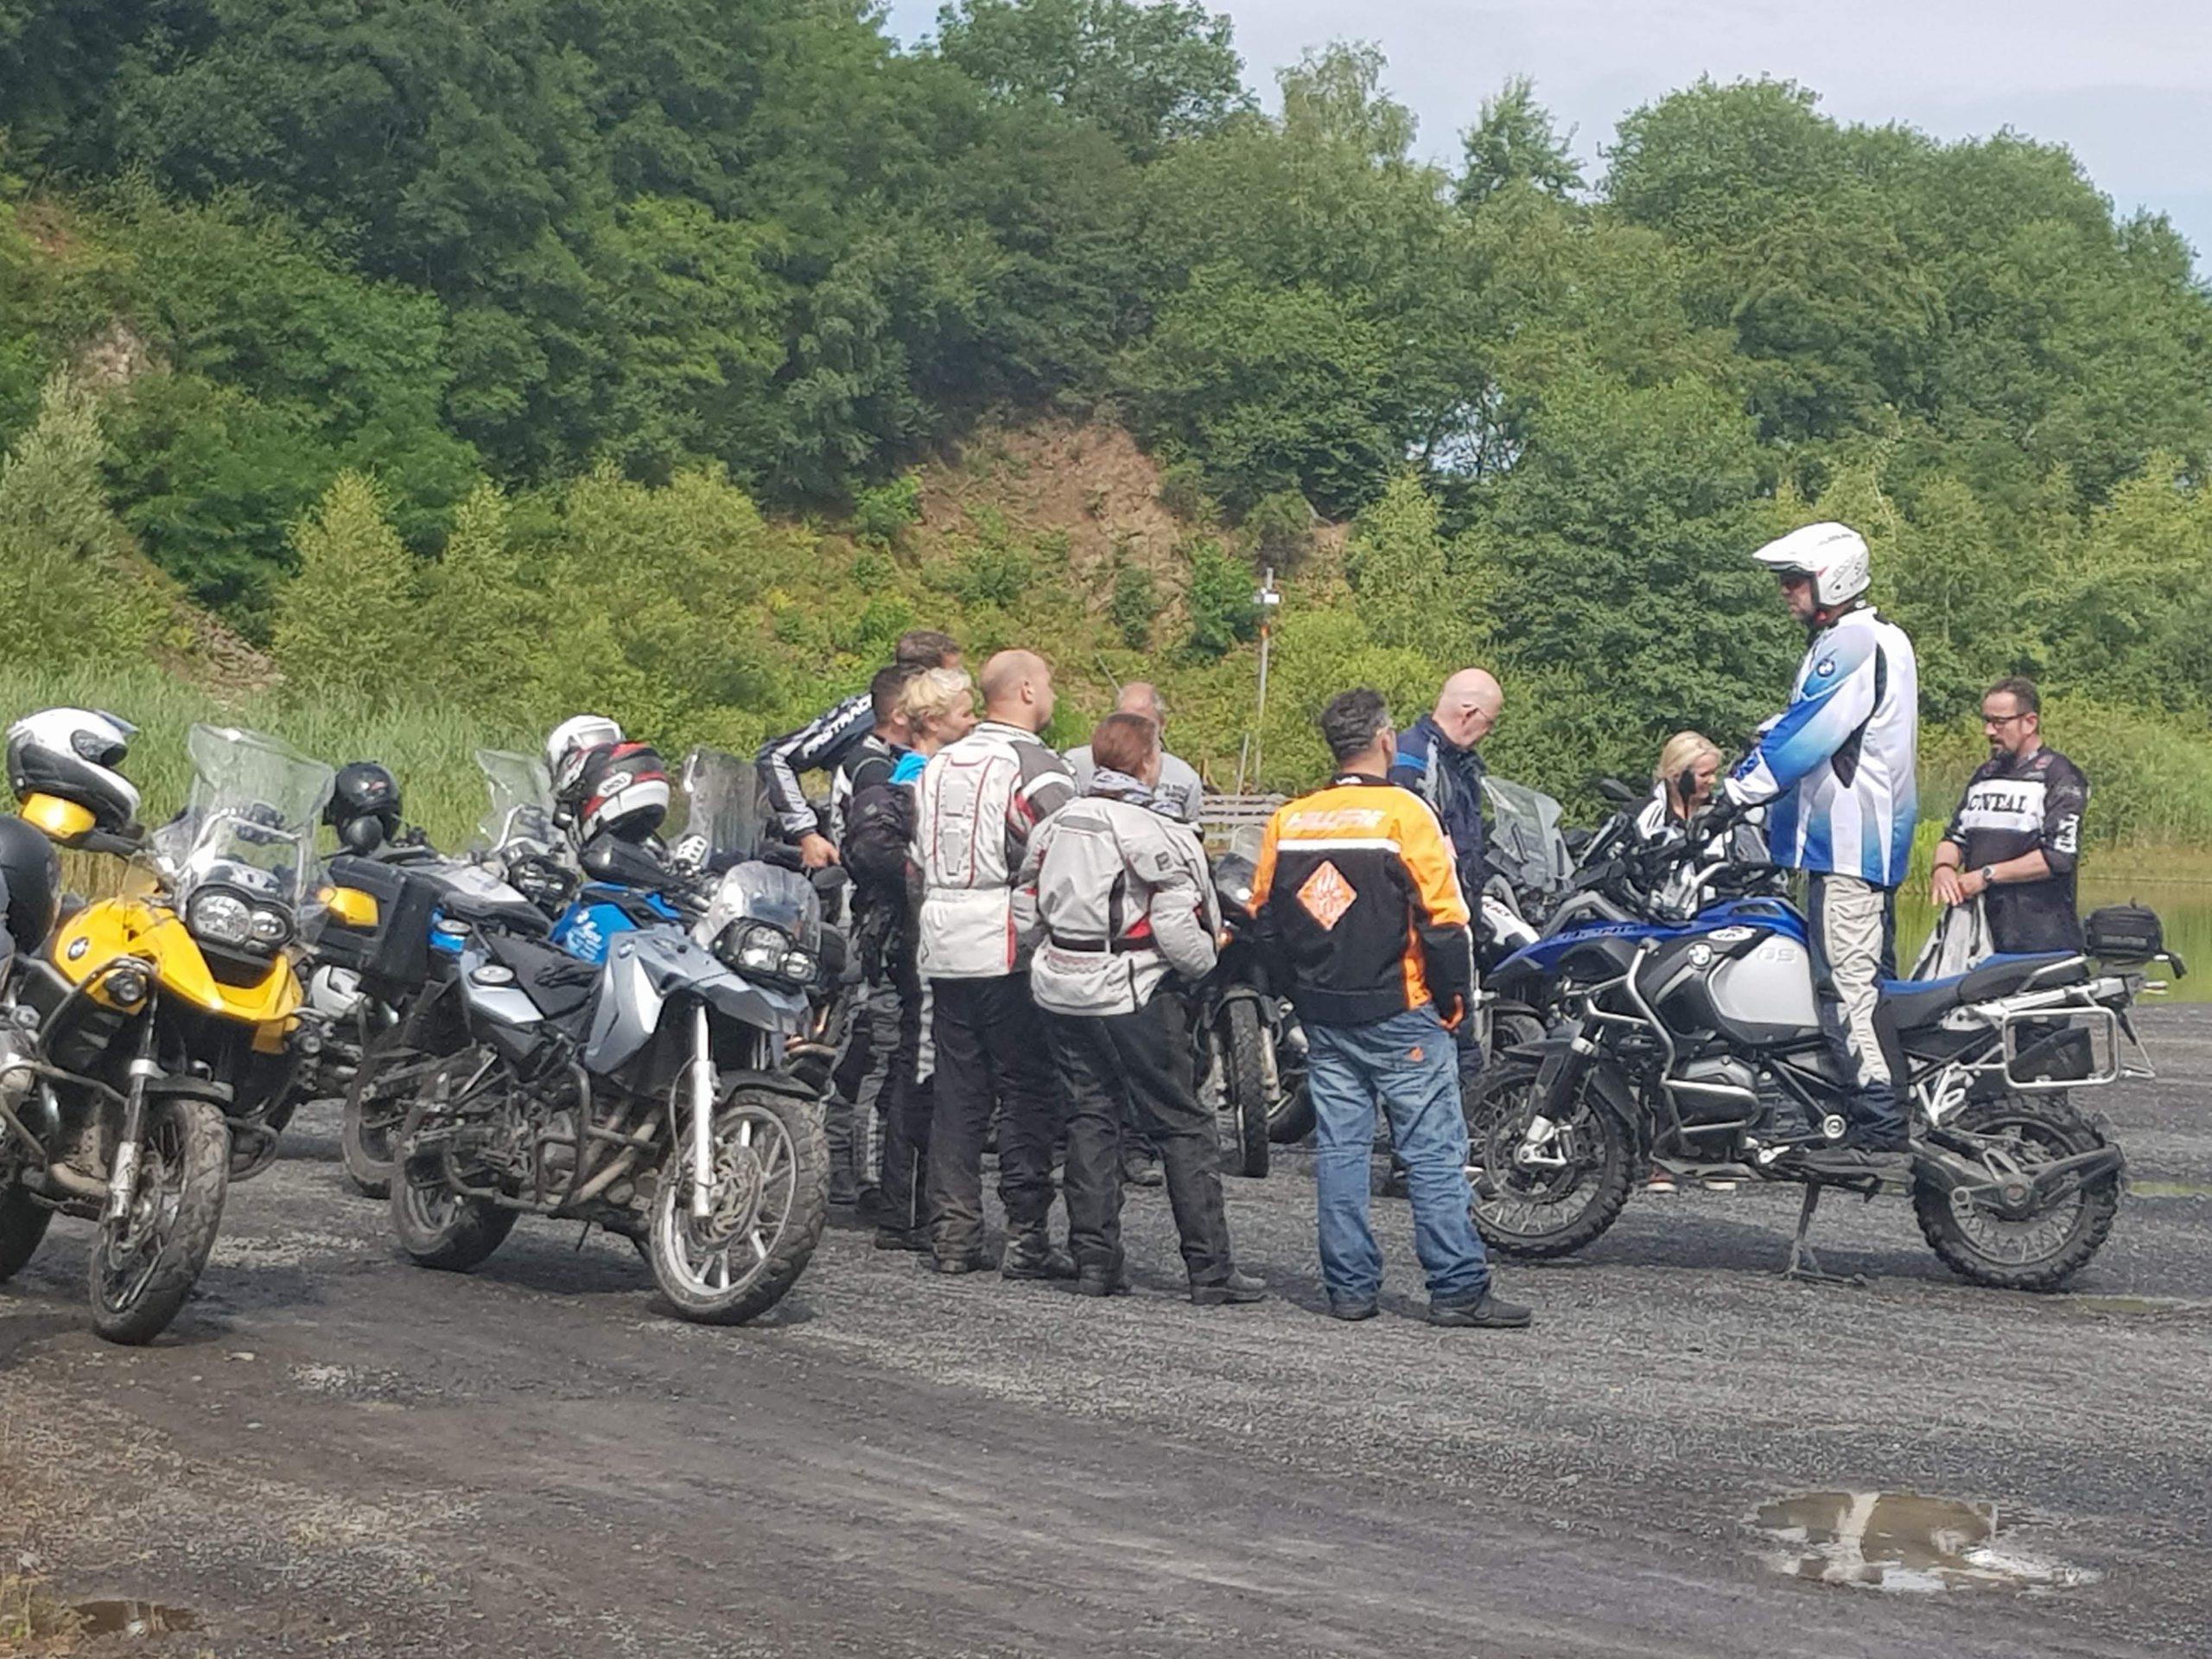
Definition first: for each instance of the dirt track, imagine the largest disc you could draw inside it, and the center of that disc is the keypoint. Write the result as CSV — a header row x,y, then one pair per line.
x,y
334,1451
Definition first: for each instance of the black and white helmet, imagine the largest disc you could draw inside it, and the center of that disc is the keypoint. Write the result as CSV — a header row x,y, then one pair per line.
x,y
72,754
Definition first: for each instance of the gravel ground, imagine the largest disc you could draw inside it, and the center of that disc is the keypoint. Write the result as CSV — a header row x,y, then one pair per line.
x,y
333,1450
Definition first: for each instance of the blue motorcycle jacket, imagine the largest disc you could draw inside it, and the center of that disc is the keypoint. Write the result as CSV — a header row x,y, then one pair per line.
x,y
1838,764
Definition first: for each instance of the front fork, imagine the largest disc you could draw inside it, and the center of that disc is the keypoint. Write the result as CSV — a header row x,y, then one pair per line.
x,y
702,1116
1557,1079
122,1179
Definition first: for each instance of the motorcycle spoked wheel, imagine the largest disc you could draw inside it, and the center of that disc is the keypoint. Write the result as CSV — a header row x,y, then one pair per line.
x,y
436,1226
377,1097
1535,1213
1242,1119
144,1265
770,1200
2037,1252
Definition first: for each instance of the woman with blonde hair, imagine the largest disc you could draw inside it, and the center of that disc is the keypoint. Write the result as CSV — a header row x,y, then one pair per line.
x,y
1682,782
938,705
1690,765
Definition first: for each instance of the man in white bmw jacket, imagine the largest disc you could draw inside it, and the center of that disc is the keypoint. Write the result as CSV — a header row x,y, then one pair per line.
x,y
974,808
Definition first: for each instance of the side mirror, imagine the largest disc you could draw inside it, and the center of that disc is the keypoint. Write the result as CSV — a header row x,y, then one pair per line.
x,y
1616,792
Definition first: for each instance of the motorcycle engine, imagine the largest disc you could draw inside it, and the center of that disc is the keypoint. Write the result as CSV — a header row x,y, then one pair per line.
x,y
1719,1070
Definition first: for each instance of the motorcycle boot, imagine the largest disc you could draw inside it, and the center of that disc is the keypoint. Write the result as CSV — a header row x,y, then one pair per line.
x,y
1031,1255
1238,1289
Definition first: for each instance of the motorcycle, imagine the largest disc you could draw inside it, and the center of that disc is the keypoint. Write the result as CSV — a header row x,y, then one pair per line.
x,y
643,1092
1251,1052
1688,1033
374,986
147,1052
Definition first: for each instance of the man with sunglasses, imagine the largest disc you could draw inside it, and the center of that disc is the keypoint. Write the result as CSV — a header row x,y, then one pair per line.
x,y
2015,840
1835,770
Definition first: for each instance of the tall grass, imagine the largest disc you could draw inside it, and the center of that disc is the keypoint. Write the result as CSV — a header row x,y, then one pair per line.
x,y
427,746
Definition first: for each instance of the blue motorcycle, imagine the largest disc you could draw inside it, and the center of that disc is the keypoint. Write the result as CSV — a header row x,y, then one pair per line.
x,y
1686,1034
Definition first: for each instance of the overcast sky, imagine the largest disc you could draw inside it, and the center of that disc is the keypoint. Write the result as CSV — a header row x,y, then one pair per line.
x,y
2126,84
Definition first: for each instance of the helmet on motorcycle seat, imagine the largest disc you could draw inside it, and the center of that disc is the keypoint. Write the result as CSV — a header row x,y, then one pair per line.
x,y
621,789
571,742
364,806
72,754
30,883
1833,556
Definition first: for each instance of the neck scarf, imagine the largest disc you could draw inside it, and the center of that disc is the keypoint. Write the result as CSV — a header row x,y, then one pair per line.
x,y
1107,781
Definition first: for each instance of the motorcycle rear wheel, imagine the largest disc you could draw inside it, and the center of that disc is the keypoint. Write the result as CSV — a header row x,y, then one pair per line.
x,y
144,1266
1244,1097
2036,1253
771,1200
1534,1214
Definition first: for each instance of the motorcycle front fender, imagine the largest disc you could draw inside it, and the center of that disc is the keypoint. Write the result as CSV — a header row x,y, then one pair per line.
x,y
1560,1066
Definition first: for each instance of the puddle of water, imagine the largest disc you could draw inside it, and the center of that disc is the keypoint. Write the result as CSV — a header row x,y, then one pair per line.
x,y
2170,1189
1901,1542
2128,1304
132,1619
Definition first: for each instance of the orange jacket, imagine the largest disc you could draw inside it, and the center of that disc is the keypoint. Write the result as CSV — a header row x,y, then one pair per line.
x,y
1360,911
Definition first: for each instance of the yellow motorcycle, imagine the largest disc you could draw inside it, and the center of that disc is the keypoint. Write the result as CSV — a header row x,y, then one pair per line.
x,y
147,1048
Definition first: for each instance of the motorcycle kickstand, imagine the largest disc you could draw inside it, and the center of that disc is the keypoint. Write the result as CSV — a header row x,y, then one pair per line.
x,y
1805,1267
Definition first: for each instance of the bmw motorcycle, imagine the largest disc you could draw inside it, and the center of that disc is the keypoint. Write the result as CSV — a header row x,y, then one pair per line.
x,y
643,1091
1689,1034
377,979
147,1052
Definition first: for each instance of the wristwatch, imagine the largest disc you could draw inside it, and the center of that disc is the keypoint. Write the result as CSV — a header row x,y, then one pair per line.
x,y
1988,873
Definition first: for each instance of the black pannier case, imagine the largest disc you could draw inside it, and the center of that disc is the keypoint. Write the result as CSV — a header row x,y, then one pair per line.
x,y
396,951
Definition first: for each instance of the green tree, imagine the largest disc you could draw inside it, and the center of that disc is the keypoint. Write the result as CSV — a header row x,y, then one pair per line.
x,y
67,581
345,626
1147,75
1514,142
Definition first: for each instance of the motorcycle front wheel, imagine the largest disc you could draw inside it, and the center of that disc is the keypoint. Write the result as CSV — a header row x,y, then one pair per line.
x,y
768,1200
2037,1251
144,1265
1241,1040
1532,1211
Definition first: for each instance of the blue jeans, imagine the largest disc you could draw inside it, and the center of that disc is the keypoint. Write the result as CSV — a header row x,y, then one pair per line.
x,y
1410,1063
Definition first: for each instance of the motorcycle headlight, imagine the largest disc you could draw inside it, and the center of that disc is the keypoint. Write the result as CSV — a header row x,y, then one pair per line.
x,y
220,917
271,926
754,948
800,967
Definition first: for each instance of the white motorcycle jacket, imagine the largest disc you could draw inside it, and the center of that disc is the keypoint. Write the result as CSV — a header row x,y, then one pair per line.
x,y
1113,897
974,808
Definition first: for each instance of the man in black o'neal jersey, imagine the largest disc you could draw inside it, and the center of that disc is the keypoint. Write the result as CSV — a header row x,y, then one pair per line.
x,y
2015,837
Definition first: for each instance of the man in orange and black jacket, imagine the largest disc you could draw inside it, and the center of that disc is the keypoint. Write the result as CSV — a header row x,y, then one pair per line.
x,y
1362,924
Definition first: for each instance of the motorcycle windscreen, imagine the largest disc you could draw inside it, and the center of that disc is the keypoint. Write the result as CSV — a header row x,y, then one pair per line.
x,y
248,821
724,813
1525,841
520,815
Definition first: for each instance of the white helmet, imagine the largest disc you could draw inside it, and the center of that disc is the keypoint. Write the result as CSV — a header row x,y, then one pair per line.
x,y
571,741
73,754
1834,556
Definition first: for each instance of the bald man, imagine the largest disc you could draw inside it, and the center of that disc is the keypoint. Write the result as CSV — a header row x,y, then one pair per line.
x,y
975,807
1178,794
1438,759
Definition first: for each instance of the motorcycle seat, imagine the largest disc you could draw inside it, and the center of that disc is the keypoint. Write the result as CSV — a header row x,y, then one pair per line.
x,y
1916,1002
482,909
